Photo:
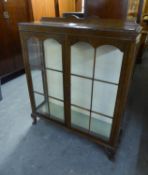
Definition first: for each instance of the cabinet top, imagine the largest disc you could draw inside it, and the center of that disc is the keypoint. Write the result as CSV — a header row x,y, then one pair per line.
x,y
66,25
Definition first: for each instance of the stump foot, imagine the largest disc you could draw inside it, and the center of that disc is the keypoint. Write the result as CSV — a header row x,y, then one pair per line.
x,y
34,117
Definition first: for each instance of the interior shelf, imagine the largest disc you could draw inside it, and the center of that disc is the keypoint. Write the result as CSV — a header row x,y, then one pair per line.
x,y
56,111
80,119
43,108
100,127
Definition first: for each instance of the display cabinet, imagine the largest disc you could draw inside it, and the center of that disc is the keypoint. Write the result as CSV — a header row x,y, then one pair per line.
x,y
79,72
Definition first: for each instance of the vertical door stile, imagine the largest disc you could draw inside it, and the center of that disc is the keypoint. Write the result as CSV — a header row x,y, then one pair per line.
x,y
115,132
28,72
45,86
66,76
92,88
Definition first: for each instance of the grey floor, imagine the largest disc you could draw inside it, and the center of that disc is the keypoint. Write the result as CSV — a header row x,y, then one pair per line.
x,y
45,149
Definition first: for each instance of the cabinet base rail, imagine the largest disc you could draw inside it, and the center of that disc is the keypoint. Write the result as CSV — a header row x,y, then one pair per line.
x,y
109,150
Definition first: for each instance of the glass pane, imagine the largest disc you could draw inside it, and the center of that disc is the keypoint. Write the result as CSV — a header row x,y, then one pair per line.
x,y
53,54
34,52
82,59
41,104
80,118
108,63
100,126
37,80
56,109
35,64
55,84
81,92
104,98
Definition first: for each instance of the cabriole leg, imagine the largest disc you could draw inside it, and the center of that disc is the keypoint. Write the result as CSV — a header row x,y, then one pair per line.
x,y
34,117
110,153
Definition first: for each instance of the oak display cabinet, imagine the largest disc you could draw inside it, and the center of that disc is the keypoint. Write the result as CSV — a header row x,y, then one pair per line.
x,y
79,72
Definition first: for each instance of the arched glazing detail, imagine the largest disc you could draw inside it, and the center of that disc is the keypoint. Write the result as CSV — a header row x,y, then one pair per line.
x,y
82,59
108,63
53,54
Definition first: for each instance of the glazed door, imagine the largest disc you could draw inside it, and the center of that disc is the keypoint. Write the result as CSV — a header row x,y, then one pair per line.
x,y
11,12
46,65
95,75
80,90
